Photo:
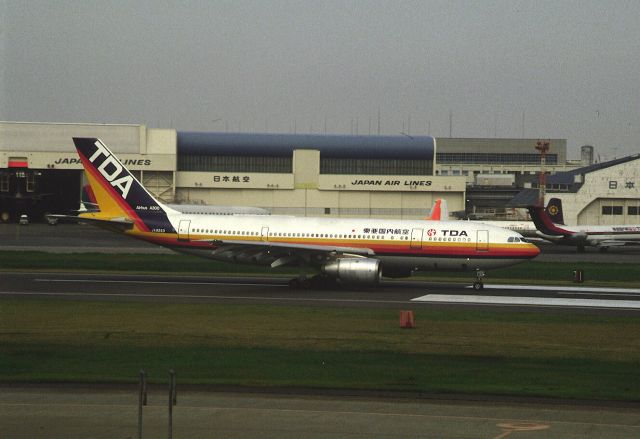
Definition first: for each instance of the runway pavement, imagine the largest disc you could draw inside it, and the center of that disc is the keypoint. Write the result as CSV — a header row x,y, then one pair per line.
x,y
261,290
28,412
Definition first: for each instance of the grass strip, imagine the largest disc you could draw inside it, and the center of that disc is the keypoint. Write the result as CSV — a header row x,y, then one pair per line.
x,y
152,263
463,351
260,367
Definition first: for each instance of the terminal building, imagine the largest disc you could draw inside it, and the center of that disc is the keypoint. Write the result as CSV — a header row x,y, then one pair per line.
x,y
291,174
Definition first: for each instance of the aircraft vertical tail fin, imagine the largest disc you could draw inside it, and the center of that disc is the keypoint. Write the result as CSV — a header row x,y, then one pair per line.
x,y
117,192
543,223
439,210
554,209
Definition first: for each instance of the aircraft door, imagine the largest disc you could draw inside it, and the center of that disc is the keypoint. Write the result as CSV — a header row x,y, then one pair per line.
x,y
482,241
183,230
264,234
416,238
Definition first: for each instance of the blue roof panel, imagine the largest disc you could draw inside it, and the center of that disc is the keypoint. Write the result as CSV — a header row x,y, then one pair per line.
x,y
332,146
568,177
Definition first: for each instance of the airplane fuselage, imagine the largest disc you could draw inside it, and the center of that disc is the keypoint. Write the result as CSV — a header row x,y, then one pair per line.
x,y
400,245
608,236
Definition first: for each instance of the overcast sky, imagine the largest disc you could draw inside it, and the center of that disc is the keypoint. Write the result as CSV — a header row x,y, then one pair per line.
x,y
568,69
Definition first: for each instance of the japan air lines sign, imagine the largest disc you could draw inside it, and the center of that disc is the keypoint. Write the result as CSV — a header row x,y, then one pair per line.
x,y
409,183
134,162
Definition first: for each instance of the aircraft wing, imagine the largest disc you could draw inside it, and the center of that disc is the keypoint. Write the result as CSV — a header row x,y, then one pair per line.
x,y
278,254
118,224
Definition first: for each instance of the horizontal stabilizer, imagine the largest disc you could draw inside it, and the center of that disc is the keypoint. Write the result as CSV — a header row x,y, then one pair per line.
x,y
119,224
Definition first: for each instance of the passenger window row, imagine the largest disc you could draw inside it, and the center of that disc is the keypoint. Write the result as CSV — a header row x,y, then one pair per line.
x,y
297,235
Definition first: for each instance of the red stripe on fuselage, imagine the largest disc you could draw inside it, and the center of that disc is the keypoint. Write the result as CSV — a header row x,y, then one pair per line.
x,y
380,249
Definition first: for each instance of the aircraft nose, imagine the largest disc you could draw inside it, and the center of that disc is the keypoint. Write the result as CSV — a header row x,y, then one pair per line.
x,y
534,250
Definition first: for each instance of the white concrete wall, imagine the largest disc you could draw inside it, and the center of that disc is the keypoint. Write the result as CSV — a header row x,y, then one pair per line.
x,y
614,186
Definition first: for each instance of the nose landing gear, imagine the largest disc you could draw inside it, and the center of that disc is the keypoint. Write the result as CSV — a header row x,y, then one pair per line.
x,y
478,284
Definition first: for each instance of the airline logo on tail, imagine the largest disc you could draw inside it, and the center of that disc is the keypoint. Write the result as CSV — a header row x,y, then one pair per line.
x,y
117,192
112,170
554,209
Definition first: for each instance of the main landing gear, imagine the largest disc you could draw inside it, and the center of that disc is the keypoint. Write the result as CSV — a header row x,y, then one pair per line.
x,y
319,281
478,285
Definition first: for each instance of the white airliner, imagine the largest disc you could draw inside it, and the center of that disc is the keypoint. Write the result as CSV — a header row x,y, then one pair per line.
x,y
601,237
350,251
525,228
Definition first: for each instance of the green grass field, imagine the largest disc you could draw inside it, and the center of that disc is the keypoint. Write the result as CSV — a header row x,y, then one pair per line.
x,y
464,351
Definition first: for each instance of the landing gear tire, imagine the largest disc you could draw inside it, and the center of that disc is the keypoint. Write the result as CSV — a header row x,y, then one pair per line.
x,y
323,282
478,285
300,283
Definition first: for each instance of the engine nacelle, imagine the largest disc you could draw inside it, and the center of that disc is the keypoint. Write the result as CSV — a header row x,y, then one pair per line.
x,y
354,270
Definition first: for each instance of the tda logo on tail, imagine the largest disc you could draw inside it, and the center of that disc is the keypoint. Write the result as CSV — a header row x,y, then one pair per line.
x,y
111,169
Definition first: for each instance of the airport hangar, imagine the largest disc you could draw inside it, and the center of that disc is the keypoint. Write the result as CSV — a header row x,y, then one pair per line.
x,y
296,174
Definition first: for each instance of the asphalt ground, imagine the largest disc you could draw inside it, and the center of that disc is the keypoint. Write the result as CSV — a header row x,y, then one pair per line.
x,y
56,412
275,291
81,238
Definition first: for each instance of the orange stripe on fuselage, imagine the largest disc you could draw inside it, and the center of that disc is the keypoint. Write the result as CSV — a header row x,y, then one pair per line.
x,y
379,247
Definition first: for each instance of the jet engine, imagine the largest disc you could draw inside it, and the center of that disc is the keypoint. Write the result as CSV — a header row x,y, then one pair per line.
x,y
354,270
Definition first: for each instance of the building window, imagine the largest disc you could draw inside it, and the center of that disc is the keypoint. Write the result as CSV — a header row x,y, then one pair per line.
x,y
4,182
612,210
633,210
493,158
209,163
330,165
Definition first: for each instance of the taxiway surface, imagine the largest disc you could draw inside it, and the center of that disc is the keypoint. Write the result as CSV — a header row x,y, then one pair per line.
x,y
261,290
76,412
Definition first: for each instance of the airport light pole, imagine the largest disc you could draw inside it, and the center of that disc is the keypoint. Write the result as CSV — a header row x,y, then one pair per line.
x,y
542,146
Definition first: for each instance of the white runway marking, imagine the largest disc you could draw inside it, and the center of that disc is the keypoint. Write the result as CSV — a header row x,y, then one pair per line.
x,y
561,288
531,301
